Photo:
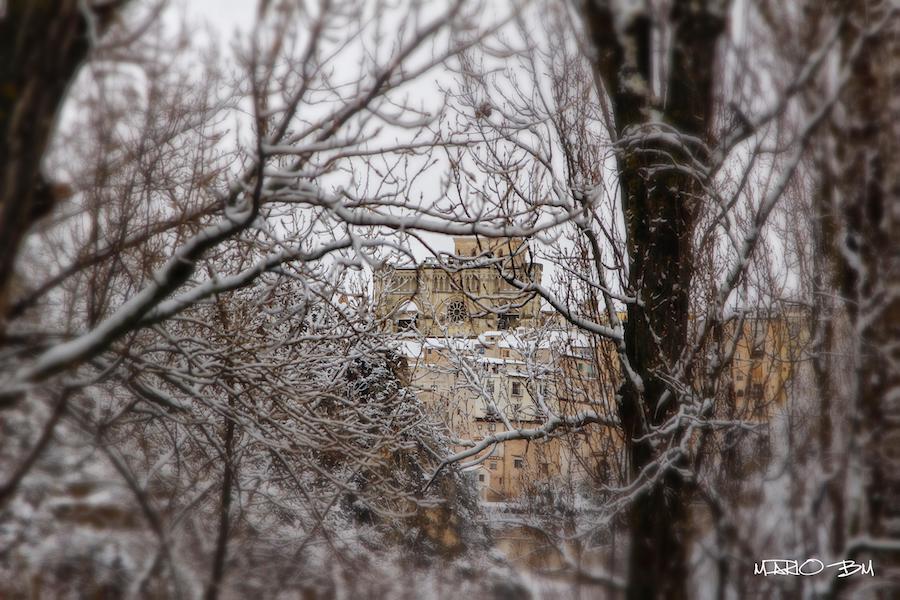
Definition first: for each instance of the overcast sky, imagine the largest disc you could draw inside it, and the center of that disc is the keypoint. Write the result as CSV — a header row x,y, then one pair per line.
x,y
224,15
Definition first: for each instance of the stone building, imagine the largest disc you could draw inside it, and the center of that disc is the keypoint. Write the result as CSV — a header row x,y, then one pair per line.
x,y
485,359
502,380
463,294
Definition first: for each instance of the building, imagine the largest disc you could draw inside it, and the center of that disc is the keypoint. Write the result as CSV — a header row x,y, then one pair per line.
x,y
463,294
767,356
501,380
485,359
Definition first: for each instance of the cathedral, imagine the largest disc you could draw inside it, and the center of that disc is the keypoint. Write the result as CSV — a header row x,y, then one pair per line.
x,y
484,358
464,294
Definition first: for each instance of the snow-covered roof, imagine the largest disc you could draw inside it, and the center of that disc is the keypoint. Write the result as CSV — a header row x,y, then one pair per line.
x,y
520,340
411,349
409,307
499,361
415,348
486,338
455,343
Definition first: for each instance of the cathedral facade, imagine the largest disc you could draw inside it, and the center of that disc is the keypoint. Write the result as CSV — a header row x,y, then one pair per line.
x,y
465,294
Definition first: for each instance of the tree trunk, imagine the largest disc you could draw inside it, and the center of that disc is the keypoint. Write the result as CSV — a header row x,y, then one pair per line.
x,y
869,267
660,208
221,553
42,44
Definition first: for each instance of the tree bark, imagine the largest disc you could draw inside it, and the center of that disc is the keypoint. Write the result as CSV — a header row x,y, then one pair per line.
x,y
221,553
42,45
869,271
660,208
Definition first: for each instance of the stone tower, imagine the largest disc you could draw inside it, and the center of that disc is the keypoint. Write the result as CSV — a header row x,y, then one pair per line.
x,y
463,294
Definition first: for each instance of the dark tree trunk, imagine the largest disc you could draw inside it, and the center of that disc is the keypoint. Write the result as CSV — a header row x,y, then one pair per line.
x,y
221,553
660,211
42,44
869,268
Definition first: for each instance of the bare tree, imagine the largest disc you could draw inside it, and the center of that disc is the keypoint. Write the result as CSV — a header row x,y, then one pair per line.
x,y
194,318
204,218
674,142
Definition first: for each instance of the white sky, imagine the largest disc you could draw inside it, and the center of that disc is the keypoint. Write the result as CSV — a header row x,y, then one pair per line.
x,y
224,15
230,16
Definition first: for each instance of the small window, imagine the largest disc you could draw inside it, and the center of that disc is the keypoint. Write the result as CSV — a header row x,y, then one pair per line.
x,y
757,391
519,463
481,477
517,388
507,321
493,465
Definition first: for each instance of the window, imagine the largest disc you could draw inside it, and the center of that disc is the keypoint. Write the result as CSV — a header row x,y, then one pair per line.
x,y
405,324
456,311
757,351
519,463
481,477
517,388
756,391
493,465
507,321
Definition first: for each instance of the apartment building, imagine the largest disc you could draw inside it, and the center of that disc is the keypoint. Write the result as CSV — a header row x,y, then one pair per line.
x,y
503,380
